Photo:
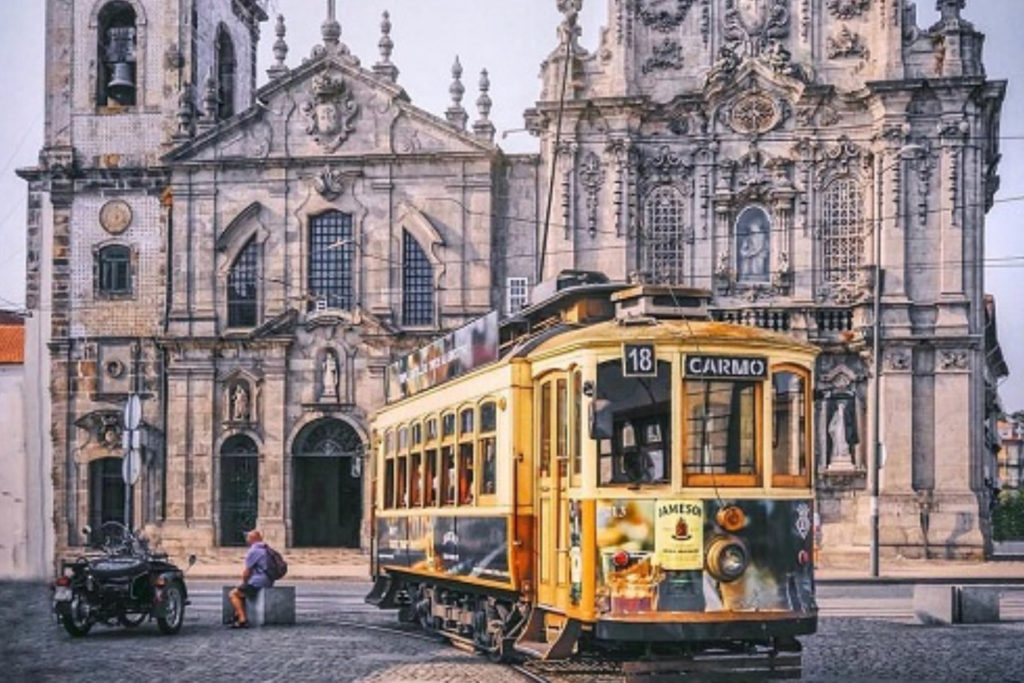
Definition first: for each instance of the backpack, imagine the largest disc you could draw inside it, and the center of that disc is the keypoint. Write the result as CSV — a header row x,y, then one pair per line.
x,y
276,566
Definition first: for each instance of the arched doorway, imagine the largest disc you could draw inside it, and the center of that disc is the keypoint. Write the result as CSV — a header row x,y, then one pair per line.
x,y
327,501
239,489
106,492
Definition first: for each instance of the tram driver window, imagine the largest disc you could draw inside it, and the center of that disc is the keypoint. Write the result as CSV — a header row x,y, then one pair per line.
x,y
721,426
639,448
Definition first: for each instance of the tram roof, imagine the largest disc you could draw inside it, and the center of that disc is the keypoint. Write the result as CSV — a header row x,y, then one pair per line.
x,y
668,331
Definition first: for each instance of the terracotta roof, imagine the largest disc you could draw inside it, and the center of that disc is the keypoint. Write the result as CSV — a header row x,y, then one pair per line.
x,y
12,344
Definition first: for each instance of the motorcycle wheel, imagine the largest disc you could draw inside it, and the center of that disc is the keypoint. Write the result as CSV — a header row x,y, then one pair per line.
x,y
173,614
71,616
131,619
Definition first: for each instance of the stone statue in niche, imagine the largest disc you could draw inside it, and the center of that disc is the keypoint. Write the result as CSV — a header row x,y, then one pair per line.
x,y
753,245
240,403
841,430
330,375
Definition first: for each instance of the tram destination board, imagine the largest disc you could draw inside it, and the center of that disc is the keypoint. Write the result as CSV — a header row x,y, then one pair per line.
x,y
726,367
638,360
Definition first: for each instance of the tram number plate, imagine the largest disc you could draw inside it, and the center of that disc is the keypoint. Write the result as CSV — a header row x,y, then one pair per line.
x,y
638,360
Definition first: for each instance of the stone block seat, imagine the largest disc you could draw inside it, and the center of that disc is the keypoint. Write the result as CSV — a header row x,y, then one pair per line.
x,y
957,604
271,606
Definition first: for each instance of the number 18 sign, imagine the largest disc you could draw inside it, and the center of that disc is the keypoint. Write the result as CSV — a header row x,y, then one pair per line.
x,y
638,360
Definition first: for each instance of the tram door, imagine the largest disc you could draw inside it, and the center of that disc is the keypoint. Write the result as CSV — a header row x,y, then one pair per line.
x,y
552,480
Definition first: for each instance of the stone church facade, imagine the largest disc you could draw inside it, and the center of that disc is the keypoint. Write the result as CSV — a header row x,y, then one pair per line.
x,y
249,260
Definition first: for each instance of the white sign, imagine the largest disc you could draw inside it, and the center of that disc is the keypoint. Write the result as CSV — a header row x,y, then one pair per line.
x,y
131,467
133,412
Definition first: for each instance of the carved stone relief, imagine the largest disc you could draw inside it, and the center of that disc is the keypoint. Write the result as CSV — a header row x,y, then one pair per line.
x,y
898,359
592,178
329,183
331,112
749,26
847,9
665,55
755,113
953,360
663,15
846,45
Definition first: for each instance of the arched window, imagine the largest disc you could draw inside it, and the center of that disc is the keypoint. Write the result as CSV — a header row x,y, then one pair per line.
x,y
662,239
242,298
417,284
842,240
331,253
116,43
114,270
226,68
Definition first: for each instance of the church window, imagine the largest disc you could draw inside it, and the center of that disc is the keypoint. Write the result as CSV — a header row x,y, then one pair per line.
x,y
331,255
517,294
842,240
115,270
116,78
242,299
417,284
226,69
661,240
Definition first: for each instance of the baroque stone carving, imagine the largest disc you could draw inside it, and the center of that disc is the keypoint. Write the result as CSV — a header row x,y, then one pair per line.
x,y
844,158
898,359
592,178
845,44
953,360
665,166
329,183
331,112
847,9
755,113
663,15
666,55
755,23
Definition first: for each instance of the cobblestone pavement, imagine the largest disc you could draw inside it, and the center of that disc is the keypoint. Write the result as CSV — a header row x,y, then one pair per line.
x,y
339,638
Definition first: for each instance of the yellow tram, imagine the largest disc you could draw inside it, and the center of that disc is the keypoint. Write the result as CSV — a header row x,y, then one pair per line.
x,y
610,470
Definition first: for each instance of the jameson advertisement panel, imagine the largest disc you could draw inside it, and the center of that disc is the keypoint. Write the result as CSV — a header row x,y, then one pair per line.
x,y
452,355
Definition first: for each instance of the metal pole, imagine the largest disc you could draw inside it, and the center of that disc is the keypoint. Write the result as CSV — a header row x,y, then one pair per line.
x,y
876,367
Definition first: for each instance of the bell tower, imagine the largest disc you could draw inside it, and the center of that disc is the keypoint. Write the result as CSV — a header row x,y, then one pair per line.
x,y
124,80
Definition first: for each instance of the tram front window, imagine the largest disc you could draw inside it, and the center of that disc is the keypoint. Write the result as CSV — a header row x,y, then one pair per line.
x,y
721,428
638,409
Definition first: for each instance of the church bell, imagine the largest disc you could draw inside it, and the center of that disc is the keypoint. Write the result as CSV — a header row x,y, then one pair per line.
x,y
120,55
121,83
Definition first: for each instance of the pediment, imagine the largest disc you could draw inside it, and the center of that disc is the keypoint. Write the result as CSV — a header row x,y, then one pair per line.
x,y
753,98
328,108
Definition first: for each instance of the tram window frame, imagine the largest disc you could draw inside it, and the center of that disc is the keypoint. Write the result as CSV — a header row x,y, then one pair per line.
x,y
642,434
448,423
706,388
788,479
431,429
576,426
562,426
448,476
431,493
545,450
389,470
416,480
465,494
402,481
487,447
416,433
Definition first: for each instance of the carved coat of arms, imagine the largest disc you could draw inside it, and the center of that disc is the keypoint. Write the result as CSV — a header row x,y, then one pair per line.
x,y
331,112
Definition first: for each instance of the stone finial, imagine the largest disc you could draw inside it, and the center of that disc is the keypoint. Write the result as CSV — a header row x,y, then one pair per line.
x,y
331,29
384,67
184,114
569,31
483,127
456,114
950,9
280,50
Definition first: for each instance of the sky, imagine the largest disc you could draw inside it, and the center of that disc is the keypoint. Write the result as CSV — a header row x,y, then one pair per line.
x,y
509,38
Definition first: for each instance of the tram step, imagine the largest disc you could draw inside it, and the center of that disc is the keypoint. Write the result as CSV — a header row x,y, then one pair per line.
x,y
561,646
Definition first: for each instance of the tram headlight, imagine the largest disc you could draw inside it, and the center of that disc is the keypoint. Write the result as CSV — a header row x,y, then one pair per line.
x,y
727,558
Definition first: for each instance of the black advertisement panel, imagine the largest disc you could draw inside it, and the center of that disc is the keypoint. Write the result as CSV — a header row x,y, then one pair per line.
x,y
475,547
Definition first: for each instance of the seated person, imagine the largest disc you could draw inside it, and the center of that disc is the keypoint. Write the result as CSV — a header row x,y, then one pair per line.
x,y
254,577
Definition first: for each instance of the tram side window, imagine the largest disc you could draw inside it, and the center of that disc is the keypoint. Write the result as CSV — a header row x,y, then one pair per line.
x,y
790,431
416,480
721,429
562,425
389,483
576,427
488,452
447,476
638,411
545,429
402,493
433,482
466,474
